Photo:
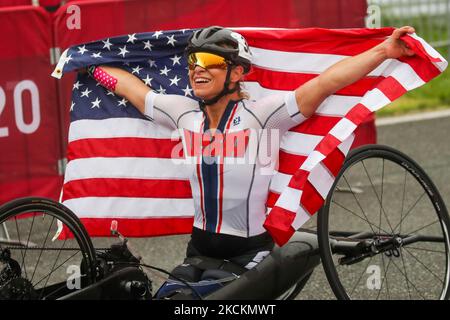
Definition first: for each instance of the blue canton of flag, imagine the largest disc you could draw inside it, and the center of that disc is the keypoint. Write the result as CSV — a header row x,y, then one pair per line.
x,y
157,58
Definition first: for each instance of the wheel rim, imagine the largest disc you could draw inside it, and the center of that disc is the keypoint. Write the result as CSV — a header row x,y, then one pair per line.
x,y
49,267
414,271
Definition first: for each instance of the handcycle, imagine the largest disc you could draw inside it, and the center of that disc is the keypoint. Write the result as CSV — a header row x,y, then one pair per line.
x,y
381,234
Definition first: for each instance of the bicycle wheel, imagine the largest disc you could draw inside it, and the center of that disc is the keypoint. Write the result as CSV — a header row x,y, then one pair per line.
x,y
34,264
383,230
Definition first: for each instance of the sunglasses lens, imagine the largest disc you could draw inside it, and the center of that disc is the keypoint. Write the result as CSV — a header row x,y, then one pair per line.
x,y
206,60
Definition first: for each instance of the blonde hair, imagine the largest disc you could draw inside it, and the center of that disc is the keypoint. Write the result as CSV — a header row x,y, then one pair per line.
x,y
242,94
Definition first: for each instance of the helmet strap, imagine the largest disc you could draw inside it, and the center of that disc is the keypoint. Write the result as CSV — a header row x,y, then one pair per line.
x,y
224,91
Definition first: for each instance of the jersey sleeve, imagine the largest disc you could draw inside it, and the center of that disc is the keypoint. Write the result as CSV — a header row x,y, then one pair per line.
x,y
167,109
278,111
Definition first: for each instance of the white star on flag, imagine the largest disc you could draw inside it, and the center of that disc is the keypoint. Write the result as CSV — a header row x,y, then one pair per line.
x,y
123,51
187,91
77,85
148,45
86,93
147,80
123,102
136,70
97,55
68,59
171,40
174,81
96,103
176,60
157,34
82,49
107,44
164,71
161,90
152,63
132,38
110,93
71,106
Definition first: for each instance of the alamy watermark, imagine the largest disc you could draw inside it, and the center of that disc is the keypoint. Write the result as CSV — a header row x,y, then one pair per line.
x,y
374,280
243,147
74,279
73,21
373,18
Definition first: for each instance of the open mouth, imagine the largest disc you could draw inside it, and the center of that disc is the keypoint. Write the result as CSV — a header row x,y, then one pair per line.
x,y
202,80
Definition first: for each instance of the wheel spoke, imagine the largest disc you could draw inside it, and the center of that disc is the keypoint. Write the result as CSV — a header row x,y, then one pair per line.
x,y
23,266
355,214
385,278
378,198
361,275
357,201
427,250
424,227
406,273
403,201
42,249
53,270
54,264
409,211
412,284
421,263
18,236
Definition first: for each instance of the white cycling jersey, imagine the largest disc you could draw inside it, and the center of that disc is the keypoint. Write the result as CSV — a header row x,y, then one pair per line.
x,y
231,167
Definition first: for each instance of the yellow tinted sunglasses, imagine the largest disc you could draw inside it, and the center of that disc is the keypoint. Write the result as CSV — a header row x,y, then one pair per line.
x,y
206,60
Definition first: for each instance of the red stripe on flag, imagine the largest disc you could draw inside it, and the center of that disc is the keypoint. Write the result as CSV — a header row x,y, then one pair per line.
x,y
298,179
134,188
327,144
272,198
289,163
391,88
333,162
317,40
358,114
100,227
317,125
124,147
311,199
283,80
424,68
279,225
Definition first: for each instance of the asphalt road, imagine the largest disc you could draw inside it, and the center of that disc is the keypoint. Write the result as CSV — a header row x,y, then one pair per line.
x,y
427,142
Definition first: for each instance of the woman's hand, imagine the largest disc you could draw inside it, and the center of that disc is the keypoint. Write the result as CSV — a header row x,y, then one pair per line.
x,y
394,47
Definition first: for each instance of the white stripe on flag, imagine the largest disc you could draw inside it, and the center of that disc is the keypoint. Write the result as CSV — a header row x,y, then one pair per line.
x,y
404,74
300,218
313,159
334,105
117,127
132,168
432,52
279,182
321,179
316,63
374,100
293,61
299,143
111,207
289,199
343,129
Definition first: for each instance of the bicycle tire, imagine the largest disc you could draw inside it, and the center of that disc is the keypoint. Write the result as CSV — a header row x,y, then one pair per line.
x,y
44,206
422,179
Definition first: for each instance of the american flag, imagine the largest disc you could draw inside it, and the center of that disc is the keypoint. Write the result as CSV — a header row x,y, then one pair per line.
x,y
119,162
